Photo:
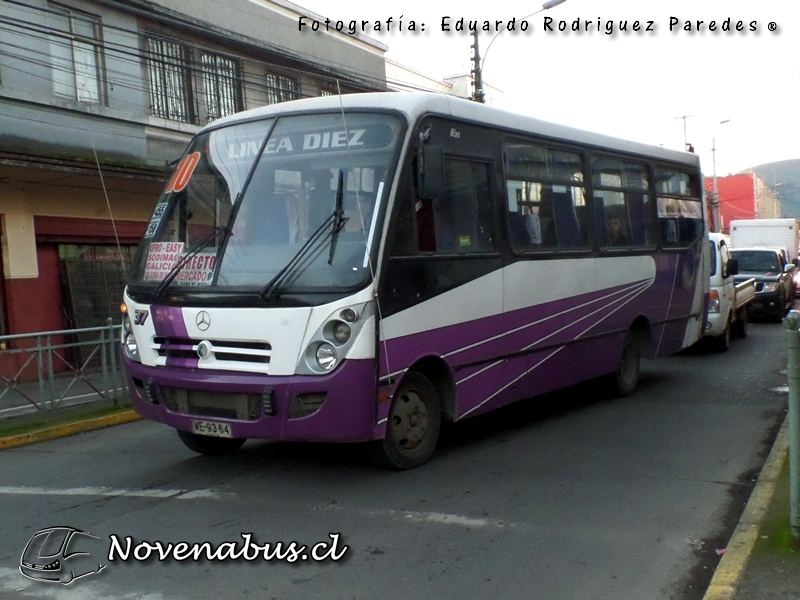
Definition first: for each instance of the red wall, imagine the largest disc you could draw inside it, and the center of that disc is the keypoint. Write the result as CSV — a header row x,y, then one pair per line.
x,y
737,197
35,304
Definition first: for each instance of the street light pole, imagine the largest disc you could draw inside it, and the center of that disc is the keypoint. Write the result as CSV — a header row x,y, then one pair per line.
x,y
478,95
716,221
477,81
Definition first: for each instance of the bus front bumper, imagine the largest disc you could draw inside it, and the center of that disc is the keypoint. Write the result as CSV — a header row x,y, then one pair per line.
x,y
338,407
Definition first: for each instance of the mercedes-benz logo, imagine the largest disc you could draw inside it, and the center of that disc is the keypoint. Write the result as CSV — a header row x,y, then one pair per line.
x,y
203,320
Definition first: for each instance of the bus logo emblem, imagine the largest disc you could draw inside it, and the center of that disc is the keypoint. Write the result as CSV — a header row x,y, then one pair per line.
x,y
203,320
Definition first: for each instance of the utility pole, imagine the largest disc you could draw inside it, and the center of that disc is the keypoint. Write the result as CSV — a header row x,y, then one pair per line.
x,y
685,141
716,225
477,76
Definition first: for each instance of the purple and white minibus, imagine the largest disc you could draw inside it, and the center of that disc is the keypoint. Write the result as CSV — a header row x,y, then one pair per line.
x,y
357,268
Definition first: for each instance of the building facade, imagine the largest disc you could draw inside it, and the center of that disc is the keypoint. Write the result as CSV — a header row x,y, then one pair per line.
x,y
743,196
99,97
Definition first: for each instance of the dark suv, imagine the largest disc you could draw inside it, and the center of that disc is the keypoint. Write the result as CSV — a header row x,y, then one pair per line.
x,y
773,273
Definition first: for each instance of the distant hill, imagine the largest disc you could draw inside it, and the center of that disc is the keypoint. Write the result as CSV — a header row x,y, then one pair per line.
x,y
783,177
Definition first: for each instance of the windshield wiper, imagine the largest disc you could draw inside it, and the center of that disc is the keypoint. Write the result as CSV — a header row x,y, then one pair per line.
x,y
178,266
338,216
323,232
281,276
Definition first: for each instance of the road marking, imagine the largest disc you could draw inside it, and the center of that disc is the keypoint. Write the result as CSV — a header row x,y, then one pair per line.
x,y
10,490
11,582
441,518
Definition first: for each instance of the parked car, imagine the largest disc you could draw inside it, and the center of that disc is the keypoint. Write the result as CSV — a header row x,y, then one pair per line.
x,y
774,274
796,283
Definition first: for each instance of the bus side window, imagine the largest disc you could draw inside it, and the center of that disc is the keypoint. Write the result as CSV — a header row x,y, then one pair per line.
x,y
546,198
623,203
463,216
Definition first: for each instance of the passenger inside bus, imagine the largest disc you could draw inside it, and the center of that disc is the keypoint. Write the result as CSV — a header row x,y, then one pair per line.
x,y
616,225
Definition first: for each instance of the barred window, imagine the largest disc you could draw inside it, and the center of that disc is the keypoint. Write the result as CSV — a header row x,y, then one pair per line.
x,y
221,86
77,55
170,82
328,90
281,88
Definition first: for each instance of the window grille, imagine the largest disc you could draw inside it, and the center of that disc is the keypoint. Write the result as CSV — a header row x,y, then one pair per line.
x,y
170,83
221,86
281,88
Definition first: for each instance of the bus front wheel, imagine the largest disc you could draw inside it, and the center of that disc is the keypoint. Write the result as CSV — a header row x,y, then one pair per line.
x,y
412,428
210,446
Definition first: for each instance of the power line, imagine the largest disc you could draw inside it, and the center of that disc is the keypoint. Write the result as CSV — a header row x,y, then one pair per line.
x,y
329,72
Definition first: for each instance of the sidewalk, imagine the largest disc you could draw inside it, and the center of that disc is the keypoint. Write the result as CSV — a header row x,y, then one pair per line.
x,y
69,420
762,560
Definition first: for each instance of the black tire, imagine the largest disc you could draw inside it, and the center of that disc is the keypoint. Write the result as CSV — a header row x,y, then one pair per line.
x,y
412,428
210,446
626,379
781,310
722,342
739,328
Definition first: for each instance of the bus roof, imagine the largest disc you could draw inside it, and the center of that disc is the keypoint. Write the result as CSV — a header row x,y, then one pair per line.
x,y
417,104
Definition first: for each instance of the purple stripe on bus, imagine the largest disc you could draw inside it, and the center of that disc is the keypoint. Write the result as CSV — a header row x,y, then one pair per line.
x,y
168,321
545,324
182,363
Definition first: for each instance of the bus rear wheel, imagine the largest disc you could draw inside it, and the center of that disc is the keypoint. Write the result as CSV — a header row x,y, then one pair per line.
x,y
626,379
412,428
210,446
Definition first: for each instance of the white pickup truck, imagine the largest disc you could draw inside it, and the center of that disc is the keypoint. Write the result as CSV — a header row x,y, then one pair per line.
x,y
727,305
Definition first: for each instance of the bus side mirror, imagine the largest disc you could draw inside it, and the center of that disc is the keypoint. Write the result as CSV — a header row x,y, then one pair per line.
x,y
732,267
431,172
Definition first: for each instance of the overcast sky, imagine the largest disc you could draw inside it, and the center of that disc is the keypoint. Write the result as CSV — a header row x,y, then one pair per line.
x,y
631,85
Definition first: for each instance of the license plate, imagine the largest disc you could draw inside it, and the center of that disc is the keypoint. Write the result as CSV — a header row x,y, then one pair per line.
x,y
211,428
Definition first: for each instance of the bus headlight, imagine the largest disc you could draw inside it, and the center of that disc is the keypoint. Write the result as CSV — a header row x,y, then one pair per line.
x,y
771,286
335,338
326,356
128,339
341,332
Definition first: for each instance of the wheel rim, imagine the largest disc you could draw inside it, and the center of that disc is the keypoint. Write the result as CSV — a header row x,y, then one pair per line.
x,y
409,420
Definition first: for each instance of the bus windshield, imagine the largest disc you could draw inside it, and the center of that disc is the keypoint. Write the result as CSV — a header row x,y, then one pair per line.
x,y
288,205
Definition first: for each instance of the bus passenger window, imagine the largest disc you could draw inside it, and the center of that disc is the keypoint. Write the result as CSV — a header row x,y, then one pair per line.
x,y
680,212
623,204
546,199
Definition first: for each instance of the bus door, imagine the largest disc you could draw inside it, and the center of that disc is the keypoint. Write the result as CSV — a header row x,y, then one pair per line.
x,y
443,282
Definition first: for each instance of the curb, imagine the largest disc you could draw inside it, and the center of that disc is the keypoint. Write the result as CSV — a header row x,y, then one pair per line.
x,y
58,431
731,566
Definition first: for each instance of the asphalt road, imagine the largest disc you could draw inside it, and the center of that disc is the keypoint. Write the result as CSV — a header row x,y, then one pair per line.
x,y
573,496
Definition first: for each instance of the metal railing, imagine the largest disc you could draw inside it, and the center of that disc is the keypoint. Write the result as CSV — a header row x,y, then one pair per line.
x,y
52,369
